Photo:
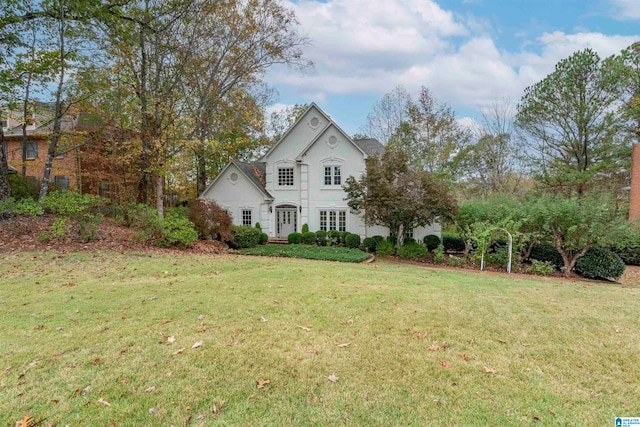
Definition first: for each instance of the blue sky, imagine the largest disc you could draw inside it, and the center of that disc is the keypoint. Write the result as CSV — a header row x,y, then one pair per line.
x,y
468,52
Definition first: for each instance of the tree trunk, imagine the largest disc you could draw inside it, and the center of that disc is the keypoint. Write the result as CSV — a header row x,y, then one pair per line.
x,y
159,196
569,262
201,166
5,188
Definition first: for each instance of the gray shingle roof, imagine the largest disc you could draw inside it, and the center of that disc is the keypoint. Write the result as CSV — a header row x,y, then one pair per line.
x,y
370,146
256,172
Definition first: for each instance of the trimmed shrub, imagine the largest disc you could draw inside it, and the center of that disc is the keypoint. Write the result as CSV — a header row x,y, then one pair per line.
x,y
23,187
334,234
546,252
305,228
210,220
384,248
309,238
352,241
321,238
177,231
412,250
294,238
409,240
541,268
600,263
378,238
258,226
245,236
431,241
343,237
369,244
264,238
452,242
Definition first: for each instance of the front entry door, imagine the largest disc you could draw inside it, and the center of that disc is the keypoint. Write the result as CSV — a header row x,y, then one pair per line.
x,y
286,221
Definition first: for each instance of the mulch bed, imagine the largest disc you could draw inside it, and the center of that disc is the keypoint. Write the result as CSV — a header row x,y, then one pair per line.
x,y
24,234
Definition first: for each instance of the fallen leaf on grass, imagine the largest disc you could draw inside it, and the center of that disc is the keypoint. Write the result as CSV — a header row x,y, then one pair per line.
x,y
171,340
489,370
303,328
86,390
502,341
433,347
154,410
350,321
150,389
263,320
6,370
197,344
25,421
551,412
178,351
333,378
104,402
262,383
421,335
445,364
343,345
464,356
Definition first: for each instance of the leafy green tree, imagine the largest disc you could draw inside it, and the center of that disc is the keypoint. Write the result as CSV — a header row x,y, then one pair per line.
x,y
630,63
572,126
392,194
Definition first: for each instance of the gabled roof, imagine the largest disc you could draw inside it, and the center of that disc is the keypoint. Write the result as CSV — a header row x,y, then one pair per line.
x,y
371,146
312,105
331,122
251,171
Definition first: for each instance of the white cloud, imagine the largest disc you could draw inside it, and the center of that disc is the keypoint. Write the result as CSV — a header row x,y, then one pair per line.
x,y
626,9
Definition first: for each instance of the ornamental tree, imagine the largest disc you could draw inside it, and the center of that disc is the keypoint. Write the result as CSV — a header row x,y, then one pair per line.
x,y
392,194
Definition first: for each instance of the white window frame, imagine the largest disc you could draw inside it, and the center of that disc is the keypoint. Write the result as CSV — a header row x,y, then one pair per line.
x,y
243,211
283,183
334,175
32,146
332,219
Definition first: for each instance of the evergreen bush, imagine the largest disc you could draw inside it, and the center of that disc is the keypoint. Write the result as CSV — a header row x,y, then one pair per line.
x,y
294,238
546,252
412,250
245,236
305,228
600,263
321,238
452,242
431,241
384,248
309,238
264,238
369,244
352,241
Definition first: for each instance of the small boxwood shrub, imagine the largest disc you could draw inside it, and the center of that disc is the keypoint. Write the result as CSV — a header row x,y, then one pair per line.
x,y
384,248
600,263
412,250
258,226
245,236
343,236
393,240
546,252
305,228
177,231
321,238
409,240
352,241
294,238
452,242
431,241
309,238
369,244
334,234
264,238
378,238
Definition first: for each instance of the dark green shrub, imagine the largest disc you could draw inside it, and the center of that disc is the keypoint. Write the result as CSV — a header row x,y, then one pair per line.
x,y
321,238
11,207
393,240
305,228
438,253
264,238
210,220
600,263
546,252
352,241
258,226
378,238
628,247
343,237
245,236
499,257
334,234
431,242
409,240
177,231
412,250
23,188
384,248
369,244
309,238
146,222
294,238
452,242
70,203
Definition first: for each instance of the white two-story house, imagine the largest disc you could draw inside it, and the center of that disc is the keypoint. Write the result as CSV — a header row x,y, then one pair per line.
x,y
299,181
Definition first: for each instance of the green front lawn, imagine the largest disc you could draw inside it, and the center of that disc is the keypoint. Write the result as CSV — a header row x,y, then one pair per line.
x,y
323,253
95,339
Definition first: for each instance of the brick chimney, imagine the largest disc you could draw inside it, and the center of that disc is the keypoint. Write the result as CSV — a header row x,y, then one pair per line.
x,y
634,197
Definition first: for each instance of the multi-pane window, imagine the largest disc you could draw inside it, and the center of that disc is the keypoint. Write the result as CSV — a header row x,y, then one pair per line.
x,y
333,220
285,176
246,217
62,182
332,175
408,234
32,150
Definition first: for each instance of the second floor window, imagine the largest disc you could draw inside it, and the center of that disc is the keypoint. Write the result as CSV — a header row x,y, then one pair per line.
x,y
32,150
285,176
332,175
